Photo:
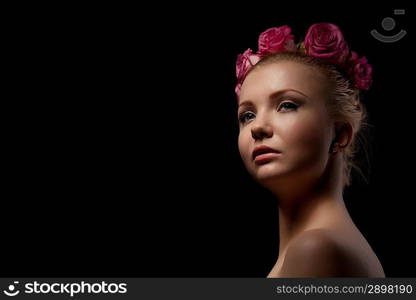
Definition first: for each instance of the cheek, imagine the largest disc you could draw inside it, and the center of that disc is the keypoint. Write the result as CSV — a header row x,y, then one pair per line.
x,y
306,136
243,145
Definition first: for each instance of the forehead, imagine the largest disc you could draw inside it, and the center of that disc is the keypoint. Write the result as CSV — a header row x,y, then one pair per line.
x,y
282,75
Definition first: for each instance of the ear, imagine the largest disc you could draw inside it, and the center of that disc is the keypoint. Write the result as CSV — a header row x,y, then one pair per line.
x,y
343,134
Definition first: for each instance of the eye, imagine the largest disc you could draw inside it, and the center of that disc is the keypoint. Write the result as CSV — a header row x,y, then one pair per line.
x,y
287,106
244,116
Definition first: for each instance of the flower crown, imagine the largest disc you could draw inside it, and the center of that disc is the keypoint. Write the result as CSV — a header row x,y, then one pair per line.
x,y
324,41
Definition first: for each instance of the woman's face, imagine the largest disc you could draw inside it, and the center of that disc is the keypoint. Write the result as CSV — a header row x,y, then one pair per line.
x,y
282,106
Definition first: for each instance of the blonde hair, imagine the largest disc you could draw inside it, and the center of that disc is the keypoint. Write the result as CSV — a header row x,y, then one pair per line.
x,y
344,105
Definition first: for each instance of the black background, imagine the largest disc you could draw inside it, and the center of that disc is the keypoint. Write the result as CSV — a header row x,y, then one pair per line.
x,y
122,142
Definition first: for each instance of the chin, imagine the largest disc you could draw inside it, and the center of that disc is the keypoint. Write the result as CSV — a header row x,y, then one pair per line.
x,y
266,172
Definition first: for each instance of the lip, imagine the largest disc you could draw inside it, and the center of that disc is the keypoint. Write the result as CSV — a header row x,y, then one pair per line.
x,y
264,153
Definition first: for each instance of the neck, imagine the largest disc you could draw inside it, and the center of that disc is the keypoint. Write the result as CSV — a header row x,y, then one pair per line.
x,y
307,206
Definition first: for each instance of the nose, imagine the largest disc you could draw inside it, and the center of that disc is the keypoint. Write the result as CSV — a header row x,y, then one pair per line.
x,y
261,130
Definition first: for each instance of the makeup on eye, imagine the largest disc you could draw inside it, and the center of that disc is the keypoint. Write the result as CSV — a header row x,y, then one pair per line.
x,y
243,115
277,99
278,95
290,104
287,105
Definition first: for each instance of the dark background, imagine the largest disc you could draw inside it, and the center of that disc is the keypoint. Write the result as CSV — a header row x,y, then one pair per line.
x,y
122,142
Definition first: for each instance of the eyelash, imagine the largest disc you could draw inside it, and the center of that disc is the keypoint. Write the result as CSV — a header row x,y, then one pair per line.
x,y
244,114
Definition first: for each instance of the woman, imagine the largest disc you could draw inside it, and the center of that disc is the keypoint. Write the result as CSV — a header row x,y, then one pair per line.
x,y
299,111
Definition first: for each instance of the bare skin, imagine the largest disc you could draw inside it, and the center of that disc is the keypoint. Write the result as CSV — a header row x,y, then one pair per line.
x,y
282,106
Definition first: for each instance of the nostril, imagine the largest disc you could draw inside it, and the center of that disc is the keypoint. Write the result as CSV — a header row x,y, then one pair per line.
x,y
260,131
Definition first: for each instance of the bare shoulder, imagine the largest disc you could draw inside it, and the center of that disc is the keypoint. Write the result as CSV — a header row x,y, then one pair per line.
x,y
320,253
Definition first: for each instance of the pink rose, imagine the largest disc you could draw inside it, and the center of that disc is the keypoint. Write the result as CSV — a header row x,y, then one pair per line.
x,y
353,57
274,40
244,63
325,41
238,89
360,71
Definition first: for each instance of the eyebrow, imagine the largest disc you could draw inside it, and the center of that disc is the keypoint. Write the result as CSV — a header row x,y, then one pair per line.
x,y
273,95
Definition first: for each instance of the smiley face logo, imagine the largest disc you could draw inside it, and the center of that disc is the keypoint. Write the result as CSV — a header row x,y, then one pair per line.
x,y
12,289
388,24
